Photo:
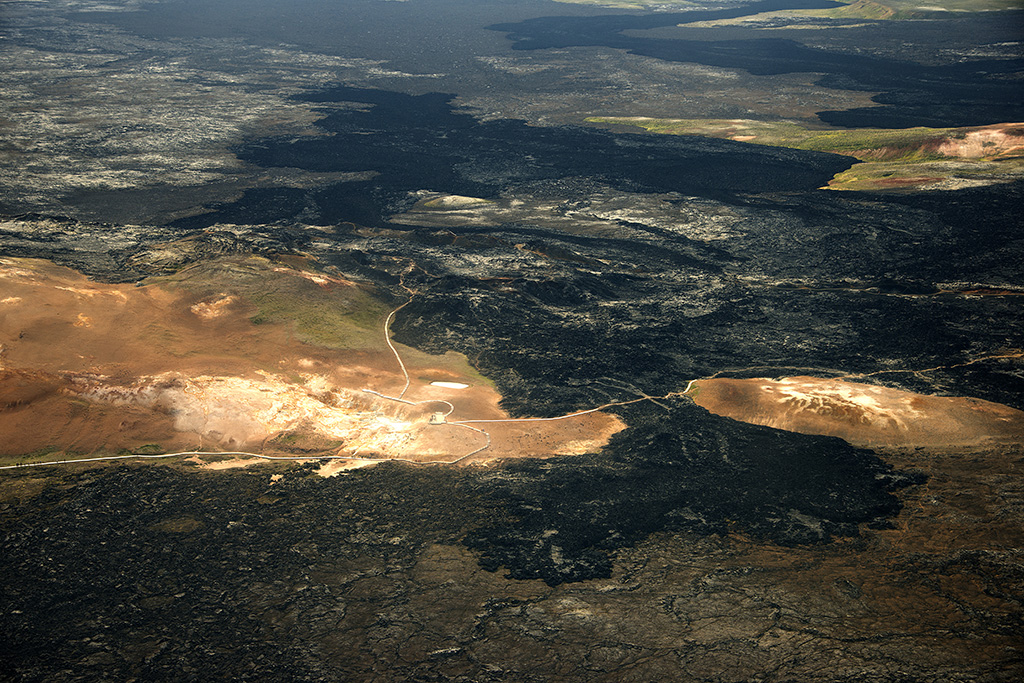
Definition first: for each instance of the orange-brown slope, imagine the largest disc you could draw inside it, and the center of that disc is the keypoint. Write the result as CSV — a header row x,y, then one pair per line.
x,y
240,354
862,414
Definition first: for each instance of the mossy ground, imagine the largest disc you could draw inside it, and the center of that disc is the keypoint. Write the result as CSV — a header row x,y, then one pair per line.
x,y
909,144
888,175
893,158
325,313
857,9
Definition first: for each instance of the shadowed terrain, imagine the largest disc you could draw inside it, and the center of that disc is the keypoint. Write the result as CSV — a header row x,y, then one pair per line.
x,y
722,424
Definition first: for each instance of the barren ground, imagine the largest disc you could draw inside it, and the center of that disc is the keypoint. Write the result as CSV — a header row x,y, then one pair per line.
x,y
198,361
862,414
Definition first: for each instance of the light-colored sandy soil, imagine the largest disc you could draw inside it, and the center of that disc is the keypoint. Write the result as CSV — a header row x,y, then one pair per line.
x,y
862,414
998,140
193,364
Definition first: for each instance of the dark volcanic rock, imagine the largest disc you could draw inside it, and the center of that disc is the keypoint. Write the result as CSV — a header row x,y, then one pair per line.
x,y
163,574
958,93
122,253
693,548
683,469
168,575
160,574
421,142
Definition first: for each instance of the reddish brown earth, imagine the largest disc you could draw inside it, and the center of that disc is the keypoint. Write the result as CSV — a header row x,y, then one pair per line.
x,y
194,362
998,140
862,414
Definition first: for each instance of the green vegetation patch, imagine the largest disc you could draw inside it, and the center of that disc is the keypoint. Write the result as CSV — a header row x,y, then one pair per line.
x,y
906,9
861,9
323,310
873,10
304,441
893,158
631,4
44,454
903,9
866,144
950,175
342,322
